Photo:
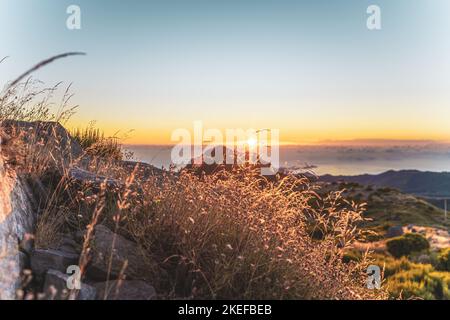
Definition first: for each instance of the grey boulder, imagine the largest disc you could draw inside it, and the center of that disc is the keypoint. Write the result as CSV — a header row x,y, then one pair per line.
x,y
43,260
110,251
395,231
56,288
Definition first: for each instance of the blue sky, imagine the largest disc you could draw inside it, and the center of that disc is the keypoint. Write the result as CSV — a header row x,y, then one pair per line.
x,y
310,68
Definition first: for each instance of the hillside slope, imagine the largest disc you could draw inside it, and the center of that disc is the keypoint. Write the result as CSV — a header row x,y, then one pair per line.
x,y
389,207
428,184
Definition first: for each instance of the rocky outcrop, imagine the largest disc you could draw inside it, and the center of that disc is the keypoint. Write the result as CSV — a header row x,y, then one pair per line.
x,y
17,199
44,260
113,254
82,177
70,245
49,136
16,221
394,231
55,288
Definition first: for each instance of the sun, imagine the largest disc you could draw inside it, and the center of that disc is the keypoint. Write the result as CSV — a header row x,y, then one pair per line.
x,y
252,142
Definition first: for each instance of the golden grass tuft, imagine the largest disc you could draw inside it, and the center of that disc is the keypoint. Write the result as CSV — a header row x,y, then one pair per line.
x,y
96,144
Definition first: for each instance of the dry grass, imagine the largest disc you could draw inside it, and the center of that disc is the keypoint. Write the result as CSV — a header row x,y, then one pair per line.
x,y
96,144
34,148
236,235
231,235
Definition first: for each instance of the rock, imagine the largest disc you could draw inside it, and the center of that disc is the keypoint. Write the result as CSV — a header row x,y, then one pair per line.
x,y
69,245
43,260
50,134
79,236
68,239
86,177
125,290
184,278
23,260
395,231
69,249
141,170
26,244
124,252
17,218
55,288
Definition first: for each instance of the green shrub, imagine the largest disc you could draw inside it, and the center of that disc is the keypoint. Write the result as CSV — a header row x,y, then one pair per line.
x,y
443,260
406,244
393,266
406,279
420,282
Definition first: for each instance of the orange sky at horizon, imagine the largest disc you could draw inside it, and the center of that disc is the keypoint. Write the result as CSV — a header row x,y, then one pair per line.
x,y
160,134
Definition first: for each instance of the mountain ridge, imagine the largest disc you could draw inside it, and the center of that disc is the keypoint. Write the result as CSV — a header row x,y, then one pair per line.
x,y
422,183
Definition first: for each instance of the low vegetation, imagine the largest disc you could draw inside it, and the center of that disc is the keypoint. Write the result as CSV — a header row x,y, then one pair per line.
x,y
444,260
95,144
388,207
230,235
410,280
407,244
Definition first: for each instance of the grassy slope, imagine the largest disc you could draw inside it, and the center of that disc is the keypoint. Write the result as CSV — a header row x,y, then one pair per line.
x,y
405,277
389,207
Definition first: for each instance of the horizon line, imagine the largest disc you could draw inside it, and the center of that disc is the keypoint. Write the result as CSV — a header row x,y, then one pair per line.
x,y
329,142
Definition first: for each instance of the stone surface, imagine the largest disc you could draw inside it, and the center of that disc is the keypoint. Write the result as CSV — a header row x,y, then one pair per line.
x,y
69,241
140,169
79,236
27,243
125,290
69,245
16,219
69,249
24,260
49,134
43,260
124,253
55,288
86,177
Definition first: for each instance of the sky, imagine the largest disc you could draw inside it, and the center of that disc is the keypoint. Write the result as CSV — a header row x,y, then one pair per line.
x,y
311,69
